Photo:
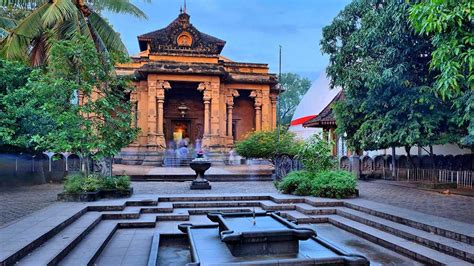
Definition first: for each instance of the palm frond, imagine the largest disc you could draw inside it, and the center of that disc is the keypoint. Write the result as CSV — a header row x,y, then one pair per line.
x,y
57,12
118,6
17,43
30,4
109,37
7,23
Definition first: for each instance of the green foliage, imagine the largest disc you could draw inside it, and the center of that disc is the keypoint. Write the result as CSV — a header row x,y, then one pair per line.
x,y
78,183
115,182
122,182
330,184
265,144
37,24
449,24
334,184
384,78
295,88
296,181
90,184
316,154
47,108
73,183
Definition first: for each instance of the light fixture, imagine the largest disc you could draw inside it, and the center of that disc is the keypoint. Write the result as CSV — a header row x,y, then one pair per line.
x,y
183,109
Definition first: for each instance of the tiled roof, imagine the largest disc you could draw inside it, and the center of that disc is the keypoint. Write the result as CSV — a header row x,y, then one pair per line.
x,y
326,116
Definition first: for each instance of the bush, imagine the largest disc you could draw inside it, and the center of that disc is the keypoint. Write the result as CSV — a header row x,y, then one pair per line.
x,y
330,184
297,182
334,184
90,184
73,184
316,154
122,182
265,145
78,183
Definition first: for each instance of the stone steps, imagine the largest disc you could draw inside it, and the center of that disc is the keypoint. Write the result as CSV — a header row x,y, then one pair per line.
x,y
427,226
53,250
446,245
405,247
87,251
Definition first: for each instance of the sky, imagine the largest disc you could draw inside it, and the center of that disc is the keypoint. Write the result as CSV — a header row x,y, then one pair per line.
x,y
252,29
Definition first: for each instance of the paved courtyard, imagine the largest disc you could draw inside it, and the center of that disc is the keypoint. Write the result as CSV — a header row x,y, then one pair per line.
x,y
18,202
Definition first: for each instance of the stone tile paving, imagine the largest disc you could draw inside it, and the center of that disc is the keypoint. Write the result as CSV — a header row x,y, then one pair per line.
x,y
16,202
460,208
217,188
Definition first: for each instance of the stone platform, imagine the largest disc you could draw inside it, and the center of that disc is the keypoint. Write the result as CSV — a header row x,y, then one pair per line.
x,y
222,173
114,232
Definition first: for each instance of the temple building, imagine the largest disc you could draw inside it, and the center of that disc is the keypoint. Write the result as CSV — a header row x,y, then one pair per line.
x,y
186,92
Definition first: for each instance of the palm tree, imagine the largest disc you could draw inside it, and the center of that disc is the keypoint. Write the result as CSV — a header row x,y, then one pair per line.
x,y
50,20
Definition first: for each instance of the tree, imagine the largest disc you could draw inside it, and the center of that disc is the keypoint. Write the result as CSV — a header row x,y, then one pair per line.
x,y
265,145
49,21
77,105
383,68
295,88
449,24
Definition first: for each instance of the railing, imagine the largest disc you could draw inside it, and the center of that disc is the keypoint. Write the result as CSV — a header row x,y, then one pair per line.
x,y
463,179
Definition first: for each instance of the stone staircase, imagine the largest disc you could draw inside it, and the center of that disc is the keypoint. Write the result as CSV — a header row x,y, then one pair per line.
x,y
78,236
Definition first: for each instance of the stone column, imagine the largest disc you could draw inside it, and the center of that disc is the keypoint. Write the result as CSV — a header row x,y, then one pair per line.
x,y
205,88
160,100
258,109
152,86
134,114
230,107
274,100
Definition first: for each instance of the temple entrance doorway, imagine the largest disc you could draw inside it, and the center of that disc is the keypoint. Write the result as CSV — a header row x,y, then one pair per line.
x,y
180,132
183,116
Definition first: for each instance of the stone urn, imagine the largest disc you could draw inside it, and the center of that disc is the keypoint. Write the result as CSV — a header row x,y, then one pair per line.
x,y
200,166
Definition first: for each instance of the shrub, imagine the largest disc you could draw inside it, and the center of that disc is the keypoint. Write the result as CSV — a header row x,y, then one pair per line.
x,y
73,183
330,184
108,182
316,154
334,184
296,182
265,145
94,182
90,184
122,182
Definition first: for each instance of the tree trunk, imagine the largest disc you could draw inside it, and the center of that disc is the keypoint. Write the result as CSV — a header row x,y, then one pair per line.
x,y
432,157
393,162
410,160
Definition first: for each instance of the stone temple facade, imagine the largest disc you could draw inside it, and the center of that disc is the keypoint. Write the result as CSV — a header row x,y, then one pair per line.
x,y
187,92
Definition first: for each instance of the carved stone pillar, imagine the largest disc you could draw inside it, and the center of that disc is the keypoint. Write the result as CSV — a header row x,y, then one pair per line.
x,y
258,109
134,113
230,107
152,86
156,97
274,100
205,88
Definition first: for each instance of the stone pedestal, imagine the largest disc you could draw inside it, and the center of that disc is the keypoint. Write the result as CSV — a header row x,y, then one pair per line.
x,y
200,166
355,165
200,184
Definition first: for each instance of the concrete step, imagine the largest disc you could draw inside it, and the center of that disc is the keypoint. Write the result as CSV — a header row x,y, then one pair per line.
x,y
213,198
301,218
408,248
58,246
308,209
210,204
446,245
87,251
440,226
